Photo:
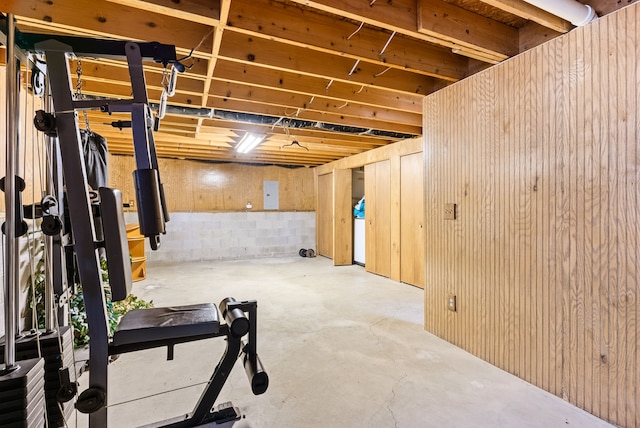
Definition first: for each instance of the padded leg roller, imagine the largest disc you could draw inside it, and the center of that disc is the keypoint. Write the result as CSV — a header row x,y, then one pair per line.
x,y
258,378
238,322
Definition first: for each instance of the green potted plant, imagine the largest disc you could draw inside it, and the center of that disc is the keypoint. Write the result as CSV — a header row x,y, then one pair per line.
x,y
36,282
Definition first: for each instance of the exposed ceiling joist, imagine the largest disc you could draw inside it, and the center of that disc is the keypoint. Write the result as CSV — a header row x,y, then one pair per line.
x,y
402,16
338,76
470,33
205,12
326,34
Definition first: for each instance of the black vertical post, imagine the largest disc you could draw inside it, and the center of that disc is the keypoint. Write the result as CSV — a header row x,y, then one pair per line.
x,y
82,224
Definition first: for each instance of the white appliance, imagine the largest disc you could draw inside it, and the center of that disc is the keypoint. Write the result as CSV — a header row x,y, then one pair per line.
x,y
358,240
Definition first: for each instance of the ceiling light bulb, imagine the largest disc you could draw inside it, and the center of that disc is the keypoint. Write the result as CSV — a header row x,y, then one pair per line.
x,y
248,142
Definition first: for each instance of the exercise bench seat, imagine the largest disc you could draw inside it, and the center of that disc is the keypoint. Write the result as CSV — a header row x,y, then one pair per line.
x,y
141,329
175,322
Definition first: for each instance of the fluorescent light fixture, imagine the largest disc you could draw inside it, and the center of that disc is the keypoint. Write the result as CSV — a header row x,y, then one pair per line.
x,y
249,142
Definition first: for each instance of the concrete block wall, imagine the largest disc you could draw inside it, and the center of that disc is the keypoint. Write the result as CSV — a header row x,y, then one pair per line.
x,y
216,236
233,235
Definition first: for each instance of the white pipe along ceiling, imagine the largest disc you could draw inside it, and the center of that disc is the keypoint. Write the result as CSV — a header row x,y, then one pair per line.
x,y
577,13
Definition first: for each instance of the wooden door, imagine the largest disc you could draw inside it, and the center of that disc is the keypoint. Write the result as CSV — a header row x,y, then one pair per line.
x,y
342,218
412,237
377,217
324,215
383,218
369,217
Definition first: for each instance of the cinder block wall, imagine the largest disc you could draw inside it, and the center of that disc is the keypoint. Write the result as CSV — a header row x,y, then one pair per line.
x,y
233,235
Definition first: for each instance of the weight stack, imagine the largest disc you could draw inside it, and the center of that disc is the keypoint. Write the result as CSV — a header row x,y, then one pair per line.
x,y
55,358
22,399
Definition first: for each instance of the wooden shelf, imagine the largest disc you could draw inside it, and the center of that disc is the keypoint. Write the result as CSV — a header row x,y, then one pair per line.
x,y
136,252
139,269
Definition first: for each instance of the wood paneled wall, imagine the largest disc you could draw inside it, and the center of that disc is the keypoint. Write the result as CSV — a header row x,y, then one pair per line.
x,y
541,155
391,153
192,186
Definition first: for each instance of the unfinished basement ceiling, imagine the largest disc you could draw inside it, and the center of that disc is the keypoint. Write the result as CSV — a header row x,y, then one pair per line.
x,y
338,77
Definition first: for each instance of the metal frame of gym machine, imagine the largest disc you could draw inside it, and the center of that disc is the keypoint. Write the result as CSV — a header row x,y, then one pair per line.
x,y
147,330
22,383
54,343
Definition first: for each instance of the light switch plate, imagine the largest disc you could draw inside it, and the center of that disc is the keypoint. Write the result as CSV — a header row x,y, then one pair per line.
x,y
449,211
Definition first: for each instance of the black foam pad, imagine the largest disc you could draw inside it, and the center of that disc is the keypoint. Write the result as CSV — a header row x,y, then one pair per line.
x,y
149,325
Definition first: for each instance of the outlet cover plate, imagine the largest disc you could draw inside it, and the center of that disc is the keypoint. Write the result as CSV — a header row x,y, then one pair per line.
x,y
451,302
450,211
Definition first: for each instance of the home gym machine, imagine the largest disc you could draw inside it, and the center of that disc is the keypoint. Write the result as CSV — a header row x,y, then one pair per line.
x,y
96,224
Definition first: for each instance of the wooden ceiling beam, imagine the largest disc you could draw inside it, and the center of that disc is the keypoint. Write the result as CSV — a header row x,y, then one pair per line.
x,y
285,144
123,90
333,150
226,157
223,16
281,157
114,141
402,16
170,121
293,101
315,144
533,34
28,25
319,135
172,124
266,53
532,13
215,50
119,146
293,24
256,156
210,130
205,12
301,156
113,134
108,68
408,126
121,138
314,86
109,73
275,111
466,30
197,67
110,20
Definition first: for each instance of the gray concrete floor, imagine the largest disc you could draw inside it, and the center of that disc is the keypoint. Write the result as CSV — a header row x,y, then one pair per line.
x,y
342,347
